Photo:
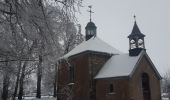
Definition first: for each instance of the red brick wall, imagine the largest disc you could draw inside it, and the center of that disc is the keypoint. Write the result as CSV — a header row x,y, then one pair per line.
x,y
124,89
135,85
86,67
103,89
129,89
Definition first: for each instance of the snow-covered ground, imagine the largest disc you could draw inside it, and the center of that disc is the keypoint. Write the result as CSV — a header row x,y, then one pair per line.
x,y
165,99
42,98
52,98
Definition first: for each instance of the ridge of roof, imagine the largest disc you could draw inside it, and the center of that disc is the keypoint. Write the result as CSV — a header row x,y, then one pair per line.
x,y
93,44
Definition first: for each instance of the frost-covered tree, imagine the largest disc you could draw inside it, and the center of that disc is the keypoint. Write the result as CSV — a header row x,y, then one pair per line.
x,y
31,31
165,82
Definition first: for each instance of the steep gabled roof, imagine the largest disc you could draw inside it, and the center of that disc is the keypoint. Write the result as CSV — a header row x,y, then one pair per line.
x,y
94,44
122,65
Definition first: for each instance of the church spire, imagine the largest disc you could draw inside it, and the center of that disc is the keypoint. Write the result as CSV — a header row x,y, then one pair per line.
x,y
90,27
136,31
136,40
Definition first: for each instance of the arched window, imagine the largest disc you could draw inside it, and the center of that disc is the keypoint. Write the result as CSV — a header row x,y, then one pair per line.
x,y
71,73
145,86
111,88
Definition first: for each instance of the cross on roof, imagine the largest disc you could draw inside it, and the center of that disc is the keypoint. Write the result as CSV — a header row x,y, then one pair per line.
x,y
90,11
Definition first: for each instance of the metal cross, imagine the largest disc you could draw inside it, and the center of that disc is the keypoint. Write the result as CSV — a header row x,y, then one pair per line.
x,y
90,7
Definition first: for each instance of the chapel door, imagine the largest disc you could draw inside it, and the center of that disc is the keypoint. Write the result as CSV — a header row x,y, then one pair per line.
x,y
145,87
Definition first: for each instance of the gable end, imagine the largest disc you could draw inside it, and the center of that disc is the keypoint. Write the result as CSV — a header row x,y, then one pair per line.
x,y
144,54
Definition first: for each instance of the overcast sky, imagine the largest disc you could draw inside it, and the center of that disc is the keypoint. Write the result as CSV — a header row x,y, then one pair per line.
x,y
114,21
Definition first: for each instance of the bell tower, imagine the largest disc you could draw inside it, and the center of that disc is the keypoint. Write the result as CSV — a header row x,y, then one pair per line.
x,y
90,27
136,40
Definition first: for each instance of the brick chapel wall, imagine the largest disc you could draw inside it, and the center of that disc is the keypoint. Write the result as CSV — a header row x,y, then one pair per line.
x,y
96,62
62,80
81,84
120,89
86,67
129,89
135,85
81,77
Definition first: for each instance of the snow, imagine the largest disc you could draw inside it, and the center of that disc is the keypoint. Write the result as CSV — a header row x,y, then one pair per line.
x,y
118,66
52,98
42,98
165,99
93,44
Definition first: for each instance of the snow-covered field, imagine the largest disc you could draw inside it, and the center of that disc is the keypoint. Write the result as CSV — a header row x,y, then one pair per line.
x,y
165,99
52,98
42,98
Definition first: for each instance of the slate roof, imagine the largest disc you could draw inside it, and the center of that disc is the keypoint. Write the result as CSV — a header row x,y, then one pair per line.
x,y
136,31
94,44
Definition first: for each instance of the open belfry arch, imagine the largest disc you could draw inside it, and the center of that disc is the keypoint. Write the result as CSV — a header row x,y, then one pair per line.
x,y
94,70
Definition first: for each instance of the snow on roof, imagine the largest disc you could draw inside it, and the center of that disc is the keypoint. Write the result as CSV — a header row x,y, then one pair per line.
x,y
118,66
93,44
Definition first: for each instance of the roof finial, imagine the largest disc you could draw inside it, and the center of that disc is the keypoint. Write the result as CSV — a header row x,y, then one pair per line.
x,y
90,7
134,17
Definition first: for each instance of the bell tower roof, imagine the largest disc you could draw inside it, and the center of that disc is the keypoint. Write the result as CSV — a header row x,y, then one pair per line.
x,y
136,40
90,27
136,31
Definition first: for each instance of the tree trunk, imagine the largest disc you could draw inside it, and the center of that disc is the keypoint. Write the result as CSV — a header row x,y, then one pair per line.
x,y
39,76
6,79
5,86
17,81
55,81
22,81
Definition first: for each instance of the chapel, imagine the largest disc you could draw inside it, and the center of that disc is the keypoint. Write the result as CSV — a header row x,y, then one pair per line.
x,y
94,70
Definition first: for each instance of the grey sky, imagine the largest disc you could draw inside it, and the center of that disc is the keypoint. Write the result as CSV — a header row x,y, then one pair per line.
x,y
114,21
